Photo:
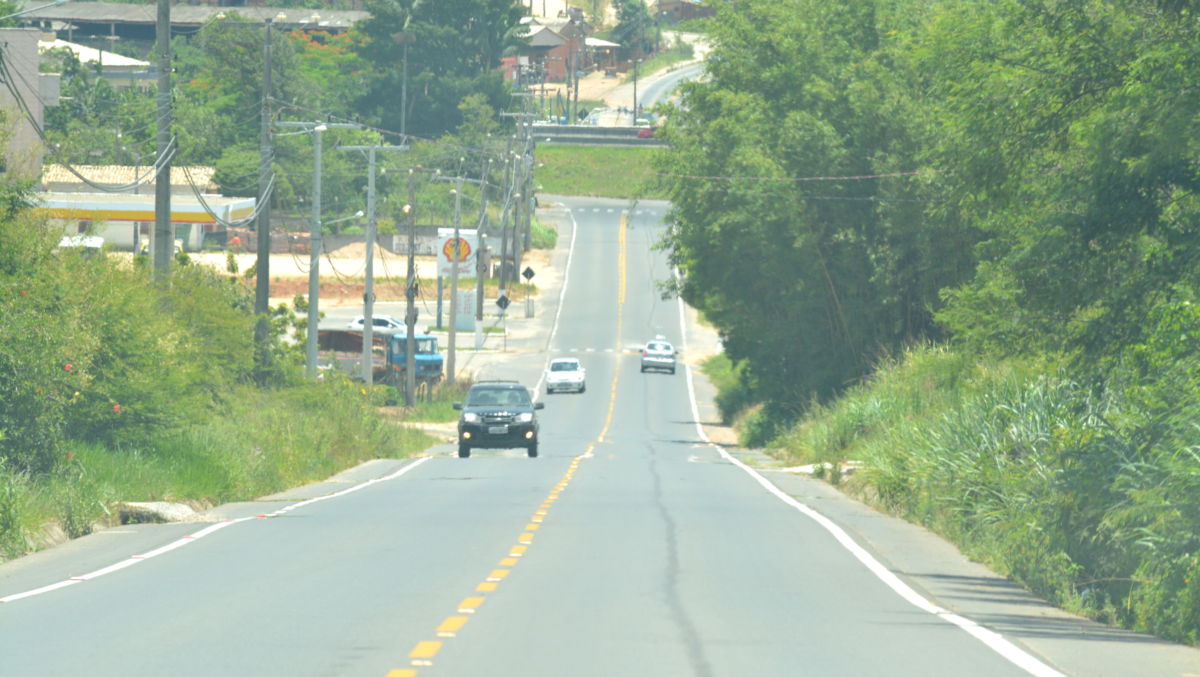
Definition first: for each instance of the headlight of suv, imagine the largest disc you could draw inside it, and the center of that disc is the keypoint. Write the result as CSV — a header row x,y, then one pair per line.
x,y
469,417
525,417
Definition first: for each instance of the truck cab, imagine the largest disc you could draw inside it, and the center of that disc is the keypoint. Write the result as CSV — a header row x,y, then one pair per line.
x,y
427,359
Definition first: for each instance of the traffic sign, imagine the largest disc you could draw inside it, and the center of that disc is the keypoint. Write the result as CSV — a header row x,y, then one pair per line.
x,y
527,273
503,302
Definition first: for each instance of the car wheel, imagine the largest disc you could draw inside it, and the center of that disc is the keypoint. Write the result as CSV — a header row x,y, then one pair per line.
x,y
464,451
582,389
672,372
532,449
643,369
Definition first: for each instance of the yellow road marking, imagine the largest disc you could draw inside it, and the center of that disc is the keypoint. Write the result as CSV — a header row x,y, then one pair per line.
x,y
470,605
451,625
426,649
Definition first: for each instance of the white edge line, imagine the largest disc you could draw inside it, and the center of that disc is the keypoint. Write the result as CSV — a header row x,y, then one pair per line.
x,y
194,536
991,639
562,294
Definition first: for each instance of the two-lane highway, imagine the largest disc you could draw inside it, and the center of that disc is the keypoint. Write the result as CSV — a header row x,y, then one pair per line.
x,y
631,546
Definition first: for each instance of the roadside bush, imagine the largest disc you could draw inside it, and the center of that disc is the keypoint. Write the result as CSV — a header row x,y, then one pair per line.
x,y
1086,493
543,236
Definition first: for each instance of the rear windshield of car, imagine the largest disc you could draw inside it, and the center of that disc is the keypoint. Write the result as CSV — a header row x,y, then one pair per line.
x,y
564,366
659,347
500,397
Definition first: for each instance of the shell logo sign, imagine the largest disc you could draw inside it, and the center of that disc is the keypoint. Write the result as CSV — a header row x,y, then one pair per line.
x,y
462,255
464,250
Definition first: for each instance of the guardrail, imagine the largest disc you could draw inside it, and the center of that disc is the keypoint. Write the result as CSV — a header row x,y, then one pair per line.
x,y
594,135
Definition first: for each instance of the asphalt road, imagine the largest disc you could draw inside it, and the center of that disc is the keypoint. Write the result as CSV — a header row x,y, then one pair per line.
x,y
631,546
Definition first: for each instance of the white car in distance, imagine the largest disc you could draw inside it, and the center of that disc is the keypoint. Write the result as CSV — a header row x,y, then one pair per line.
x,y
565,373
377,322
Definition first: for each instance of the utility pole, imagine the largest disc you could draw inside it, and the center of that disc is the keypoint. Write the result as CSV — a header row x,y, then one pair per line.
x,y
454,281
452,345
315,244
525,129
410,293
368,372
479,250
314,257
635,104
266,152
164,235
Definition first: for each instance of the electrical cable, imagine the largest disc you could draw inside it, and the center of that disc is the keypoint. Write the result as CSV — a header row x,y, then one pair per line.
x,y
9,84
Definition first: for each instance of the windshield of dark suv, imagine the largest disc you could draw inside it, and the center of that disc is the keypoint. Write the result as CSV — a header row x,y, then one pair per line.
x,y
498,397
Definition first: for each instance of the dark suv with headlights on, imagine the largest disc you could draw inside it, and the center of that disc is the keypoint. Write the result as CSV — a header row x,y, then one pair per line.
x,y
498,415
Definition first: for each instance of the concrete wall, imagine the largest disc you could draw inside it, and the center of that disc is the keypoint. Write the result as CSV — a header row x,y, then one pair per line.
x,y
22,148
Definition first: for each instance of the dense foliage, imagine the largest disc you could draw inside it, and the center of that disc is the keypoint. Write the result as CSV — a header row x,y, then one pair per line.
x,y
1013,180
89,352
1023,171
355,76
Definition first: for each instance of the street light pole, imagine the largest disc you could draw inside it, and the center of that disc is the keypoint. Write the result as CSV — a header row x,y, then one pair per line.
x,y
315,246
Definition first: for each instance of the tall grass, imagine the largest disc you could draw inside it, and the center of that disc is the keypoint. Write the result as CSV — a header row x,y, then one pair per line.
x,y
267,442
1088,494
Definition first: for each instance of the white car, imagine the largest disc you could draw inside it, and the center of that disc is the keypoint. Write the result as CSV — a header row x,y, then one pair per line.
x,y
377,321
565,373
659,354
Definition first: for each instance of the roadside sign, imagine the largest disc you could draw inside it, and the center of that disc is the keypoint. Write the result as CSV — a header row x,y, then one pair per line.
x,y
464,253
503,302
527,273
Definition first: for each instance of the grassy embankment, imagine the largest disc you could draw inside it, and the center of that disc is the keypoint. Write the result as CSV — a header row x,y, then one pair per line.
x,y
263,442
1088,496
596,171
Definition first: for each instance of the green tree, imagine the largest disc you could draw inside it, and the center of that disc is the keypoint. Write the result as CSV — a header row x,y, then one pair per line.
x,y
1085,183
798,219
454,48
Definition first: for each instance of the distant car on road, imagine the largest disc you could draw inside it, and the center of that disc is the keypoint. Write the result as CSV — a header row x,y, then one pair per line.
x,y
377,321
658,354
565,373
498,415
647,132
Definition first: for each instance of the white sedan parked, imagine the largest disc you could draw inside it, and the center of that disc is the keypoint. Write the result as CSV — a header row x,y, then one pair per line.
x,y
565,373
377,321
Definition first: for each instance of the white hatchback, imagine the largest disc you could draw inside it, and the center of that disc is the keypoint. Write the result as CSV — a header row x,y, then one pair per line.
x,y
565,373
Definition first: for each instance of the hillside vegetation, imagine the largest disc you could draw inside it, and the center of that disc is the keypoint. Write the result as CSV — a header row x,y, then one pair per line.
x,y
113,389
974,234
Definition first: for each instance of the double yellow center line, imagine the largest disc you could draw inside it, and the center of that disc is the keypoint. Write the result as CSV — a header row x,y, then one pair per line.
x,y
425,651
